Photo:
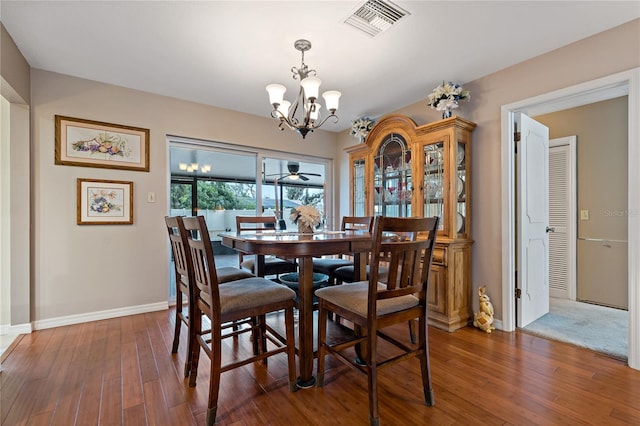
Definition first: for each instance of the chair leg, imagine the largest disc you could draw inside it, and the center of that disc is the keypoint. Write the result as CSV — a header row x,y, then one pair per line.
x,y
360,348
322,338
255,335
195,325
372,372
262,323
412,331
291,348
214,378
176,332
191,340
424,363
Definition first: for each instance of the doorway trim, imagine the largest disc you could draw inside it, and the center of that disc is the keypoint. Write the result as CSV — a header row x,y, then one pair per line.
x,y
620,84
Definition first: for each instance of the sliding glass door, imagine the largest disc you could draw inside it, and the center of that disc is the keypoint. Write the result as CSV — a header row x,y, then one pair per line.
x,y
220,182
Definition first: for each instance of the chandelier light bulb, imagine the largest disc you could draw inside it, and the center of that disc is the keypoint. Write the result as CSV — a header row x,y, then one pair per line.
x,y
276,93
332,99
311,86
283,108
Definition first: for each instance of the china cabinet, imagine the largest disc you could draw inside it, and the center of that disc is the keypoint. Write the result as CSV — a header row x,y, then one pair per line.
x,y
405,170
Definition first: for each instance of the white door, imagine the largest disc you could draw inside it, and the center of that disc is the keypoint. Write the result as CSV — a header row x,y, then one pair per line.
x,y
532,180
562,218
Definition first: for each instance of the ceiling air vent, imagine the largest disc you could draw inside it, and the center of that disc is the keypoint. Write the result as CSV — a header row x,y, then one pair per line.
x,y
375,17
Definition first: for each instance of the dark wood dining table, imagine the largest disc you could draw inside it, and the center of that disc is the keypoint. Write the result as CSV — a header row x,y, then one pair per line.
x,y
304,247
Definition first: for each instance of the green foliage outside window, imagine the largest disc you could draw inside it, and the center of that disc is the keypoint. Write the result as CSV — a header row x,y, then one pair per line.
x,y
212,194
302,194
232,195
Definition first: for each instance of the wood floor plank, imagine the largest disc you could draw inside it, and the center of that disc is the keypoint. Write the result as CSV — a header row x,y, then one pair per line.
x,y
173,381
146,360
71,390
132,394
156,408
111,402
134,416
88,411
121,371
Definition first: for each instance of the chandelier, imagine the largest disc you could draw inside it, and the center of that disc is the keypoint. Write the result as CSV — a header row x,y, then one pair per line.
x,y
303,115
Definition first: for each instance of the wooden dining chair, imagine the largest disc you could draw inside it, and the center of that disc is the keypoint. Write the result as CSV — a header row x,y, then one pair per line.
x,y
184,280
225,303
262,265
407,245
328,265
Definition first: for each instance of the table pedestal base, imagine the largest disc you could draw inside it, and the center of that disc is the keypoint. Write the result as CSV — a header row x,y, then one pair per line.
x,y
306,384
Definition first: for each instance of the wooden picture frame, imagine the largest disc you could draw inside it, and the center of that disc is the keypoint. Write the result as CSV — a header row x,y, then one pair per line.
x,y
89,143
104,202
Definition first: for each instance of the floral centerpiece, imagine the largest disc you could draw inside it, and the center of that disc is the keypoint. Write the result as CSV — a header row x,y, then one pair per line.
x,y
306,217
446,96
361,127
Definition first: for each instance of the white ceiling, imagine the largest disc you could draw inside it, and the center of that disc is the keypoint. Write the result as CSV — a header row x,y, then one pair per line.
x,y
224,53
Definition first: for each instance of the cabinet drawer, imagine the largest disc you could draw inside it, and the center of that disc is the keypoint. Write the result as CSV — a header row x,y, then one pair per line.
x,y
440,256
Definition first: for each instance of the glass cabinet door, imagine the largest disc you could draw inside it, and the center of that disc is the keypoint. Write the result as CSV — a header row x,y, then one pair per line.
x,y
359,187
434,178
460,188
392,178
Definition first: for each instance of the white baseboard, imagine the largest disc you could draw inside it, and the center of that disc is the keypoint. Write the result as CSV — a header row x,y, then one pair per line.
x,y
99,315
498,324
15,329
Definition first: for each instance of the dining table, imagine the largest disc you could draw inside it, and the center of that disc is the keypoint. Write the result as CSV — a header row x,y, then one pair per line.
x,y
304,247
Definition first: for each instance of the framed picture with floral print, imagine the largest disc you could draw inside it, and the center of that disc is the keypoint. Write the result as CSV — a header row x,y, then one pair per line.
x,y
90,143
105,202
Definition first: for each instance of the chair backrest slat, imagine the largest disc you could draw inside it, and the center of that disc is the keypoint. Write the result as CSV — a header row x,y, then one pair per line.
x,y
255,223
181,255
405,245
204,267
357,223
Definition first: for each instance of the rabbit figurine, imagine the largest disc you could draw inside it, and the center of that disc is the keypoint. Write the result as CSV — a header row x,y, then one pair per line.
x,y
483,319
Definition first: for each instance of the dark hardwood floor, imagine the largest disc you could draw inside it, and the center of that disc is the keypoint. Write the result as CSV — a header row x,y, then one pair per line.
x,y
121,371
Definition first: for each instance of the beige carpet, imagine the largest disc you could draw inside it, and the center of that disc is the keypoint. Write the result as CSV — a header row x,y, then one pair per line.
x,y
599,328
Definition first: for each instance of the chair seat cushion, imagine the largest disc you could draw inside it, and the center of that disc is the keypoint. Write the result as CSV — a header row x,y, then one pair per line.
x,y
229,273
327,265
353,297
345,274
249,293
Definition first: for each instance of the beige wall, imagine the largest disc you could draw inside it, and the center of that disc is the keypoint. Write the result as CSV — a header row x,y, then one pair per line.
x,y
15,182
82,269
14,70
602,189
604,54
602,133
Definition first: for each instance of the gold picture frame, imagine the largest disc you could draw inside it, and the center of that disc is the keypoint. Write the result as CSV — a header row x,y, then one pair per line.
x,y
104,202
89,143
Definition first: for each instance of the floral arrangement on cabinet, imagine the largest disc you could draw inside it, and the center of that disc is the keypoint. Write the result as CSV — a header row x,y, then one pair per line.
x,y
306,217
446,96
361,127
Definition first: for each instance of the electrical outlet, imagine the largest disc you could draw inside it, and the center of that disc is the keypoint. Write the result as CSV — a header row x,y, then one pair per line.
x,y
151,197
584,214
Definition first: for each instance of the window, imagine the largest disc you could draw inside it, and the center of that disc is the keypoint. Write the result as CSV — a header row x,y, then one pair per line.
x,y
220,181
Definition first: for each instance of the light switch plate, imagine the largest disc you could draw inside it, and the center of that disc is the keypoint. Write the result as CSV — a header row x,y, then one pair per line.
x,y
151,197
584,214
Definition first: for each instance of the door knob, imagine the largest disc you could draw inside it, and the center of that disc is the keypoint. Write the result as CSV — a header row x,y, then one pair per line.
x,y
550,229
